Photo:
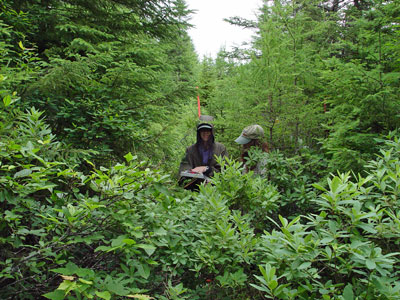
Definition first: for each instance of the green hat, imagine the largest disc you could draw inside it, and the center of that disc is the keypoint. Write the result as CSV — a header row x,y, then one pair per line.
x,y
252,132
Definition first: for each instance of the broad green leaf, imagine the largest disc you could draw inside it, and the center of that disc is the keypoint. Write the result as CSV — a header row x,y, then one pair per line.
x,y
55,295
272,284
348,292
272,271
260,288
137,234
333,225
38,232
10,216
67,286
147,247
23,173
370,264
129,241
319,187
367,227
116,287
83,272
143,270
264,272
7,100
128,195
118,241
304,265
335,184
69,269
102,248
94,187
104,295
129,157
326,240
328,251
295,220
160,231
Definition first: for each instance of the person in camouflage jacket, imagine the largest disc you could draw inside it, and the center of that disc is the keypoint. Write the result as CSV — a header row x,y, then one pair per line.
x,y
251,137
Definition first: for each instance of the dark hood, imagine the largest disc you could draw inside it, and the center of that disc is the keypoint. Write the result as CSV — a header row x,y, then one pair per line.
x,y
198,139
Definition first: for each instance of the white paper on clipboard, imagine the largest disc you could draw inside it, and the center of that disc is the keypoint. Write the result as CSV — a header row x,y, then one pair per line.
x,y
191,174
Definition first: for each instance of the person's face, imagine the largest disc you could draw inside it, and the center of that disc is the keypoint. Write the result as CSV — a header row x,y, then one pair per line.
x,y
205,135
249,145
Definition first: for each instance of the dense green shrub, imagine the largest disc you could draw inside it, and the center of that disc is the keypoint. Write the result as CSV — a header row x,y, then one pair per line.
x,y
60,227
349,249
292,176
102,223
127,230
116,231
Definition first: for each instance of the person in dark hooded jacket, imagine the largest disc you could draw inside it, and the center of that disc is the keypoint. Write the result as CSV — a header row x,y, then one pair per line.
x,y
200,157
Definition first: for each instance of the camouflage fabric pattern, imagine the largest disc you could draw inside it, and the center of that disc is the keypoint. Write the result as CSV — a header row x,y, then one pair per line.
x,y
253,132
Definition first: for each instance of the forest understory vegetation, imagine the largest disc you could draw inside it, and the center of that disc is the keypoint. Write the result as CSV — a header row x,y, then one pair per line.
x,y
95,118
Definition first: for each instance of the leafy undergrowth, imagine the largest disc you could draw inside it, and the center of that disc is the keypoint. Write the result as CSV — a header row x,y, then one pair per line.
x,y
128,232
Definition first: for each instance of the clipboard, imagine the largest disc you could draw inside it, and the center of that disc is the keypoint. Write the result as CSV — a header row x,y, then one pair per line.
x,y
195,177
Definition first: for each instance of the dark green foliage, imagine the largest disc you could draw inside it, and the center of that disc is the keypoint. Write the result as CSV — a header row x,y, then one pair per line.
x,y
81,26
348,249
53,216
105,85
207,81
97,96
317,77
361,87
276,88
292,177
124,221
126,230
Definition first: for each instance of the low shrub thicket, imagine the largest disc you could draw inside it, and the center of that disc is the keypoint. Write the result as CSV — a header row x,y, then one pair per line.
x,y
128,231
118,231
350,249
292,176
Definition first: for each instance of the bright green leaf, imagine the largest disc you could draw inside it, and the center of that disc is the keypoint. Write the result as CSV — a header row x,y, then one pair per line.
x,y
23,173
148,248
7,100
55,295
143,271
104,295
317,186
85,281
348,292
370,264
129,157
272,284
129,241
304,265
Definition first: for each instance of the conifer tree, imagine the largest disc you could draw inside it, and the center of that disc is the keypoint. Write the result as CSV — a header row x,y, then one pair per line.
x,y
112,69
361,83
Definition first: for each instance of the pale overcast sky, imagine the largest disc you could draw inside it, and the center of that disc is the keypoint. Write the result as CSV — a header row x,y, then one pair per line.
x,y
211,32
